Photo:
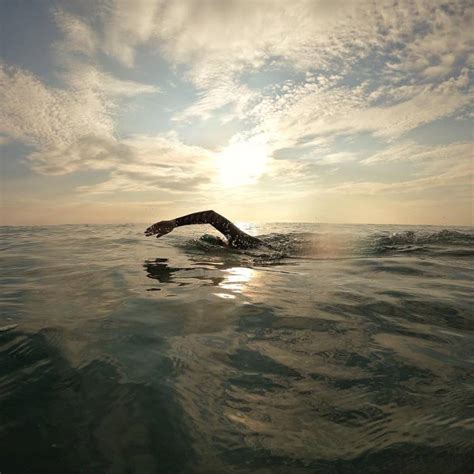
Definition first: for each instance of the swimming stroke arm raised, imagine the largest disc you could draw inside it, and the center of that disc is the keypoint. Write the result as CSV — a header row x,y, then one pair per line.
x,y
235,236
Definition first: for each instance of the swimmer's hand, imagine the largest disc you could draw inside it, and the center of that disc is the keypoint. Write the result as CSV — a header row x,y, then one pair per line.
x,y
160,228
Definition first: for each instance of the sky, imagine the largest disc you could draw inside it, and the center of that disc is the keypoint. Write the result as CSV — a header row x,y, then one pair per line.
x,y
266,111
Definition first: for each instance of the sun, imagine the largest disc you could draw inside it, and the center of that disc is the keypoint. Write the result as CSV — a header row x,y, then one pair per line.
x,y
243,162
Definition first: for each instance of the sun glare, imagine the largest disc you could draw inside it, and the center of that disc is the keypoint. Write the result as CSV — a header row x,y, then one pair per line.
x,y
242,162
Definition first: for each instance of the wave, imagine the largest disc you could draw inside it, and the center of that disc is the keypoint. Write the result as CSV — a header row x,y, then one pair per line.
x,y
444,236
341,245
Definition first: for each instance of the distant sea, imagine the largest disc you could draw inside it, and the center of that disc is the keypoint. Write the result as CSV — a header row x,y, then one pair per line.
x,y
342,349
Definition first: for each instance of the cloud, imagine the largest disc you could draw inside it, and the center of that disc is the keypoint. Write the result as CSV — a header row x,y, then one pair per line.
x,y
335,158
78,36
461,175
447,166
219,42
215,39
414,152
138,163
44,116
224,93
72,129
84,77
51,117
444,39
316,113
87,152
127,25
216,43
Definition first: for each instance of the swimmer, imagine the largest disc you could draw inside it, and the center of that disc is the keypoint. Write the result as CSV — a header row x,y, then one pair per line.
x,y
236,238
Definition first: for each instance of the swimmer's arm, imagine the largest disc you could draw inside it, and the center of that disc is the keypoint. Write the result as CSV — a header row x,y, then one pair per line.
x,y
234,235
223,225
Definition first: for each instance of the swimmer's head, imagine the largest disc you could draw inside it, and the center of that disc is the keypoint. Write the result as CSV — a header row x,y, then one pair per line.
x,y
213,240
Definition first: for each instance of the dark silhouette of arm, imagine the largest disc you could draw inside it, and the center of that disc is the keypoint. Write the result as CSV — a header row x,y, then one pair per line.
x,y
236,237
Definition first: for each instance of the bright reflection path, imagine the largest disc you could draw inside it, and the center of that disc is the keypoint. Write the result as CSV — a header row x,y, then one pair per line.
x,y
235,280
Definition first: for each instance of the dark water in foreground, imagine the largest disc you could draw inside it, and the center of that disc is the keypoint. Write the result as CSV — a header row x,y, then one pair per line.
x,y
348,349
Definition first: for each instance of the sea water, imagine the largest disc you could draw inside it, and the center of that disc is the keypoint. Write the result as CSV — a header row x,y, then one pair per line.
x,y
339,349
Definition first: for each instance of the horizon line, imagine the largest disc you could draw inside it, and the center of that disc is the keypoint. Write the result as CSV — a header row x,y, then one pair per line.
x,y
243,222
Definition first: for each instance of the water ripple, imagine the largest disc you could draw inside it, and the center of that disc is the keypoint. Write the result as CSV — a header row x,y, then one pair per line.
x,y
336,349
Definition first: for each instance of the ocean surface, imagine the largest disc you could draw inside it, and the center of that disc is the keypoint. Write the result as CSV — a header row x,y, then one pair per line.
x,y
342,349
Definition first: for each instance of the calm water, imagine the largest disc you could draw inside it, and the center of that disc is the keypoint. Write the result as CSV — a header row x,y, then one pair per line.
x,y
345,349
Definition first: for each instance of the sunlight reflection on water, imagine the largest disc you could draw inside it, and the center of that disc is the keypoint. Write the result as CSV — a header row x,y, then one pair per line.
x,y
235,279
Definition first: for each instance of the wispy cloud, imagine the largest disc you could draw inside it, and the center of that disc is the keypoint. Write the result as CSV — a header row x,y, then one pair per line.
x,y
77,35
43,116
460,176
135,164
410,151
315,110
448,166
46,116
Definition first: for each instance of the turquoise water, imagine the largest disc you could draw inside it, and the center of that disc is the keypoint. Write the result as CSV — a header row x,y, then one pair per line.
x,y
343,349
